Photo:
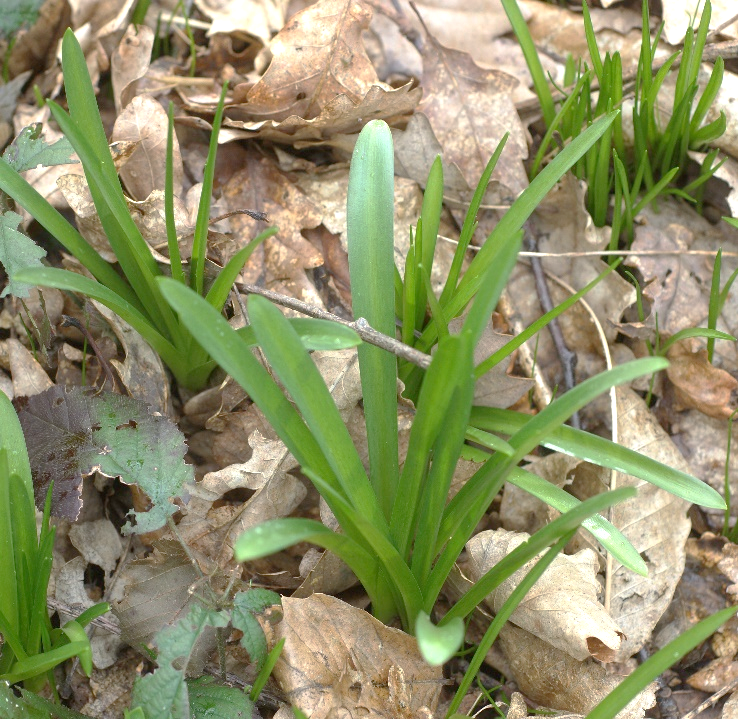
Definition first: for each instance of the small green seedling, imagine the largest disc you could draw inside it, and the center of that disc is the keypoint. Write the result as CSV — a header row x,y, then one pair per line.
x,y
135,296
31,648
635,175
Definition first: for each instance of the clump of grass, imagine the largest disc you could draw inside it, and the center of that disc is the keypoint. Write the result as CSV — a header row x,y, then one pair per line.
x,y
639,173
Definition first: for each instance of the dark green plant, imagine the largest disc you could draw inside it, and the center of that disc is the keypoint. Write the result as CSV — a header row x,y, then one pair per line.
x,y
135,296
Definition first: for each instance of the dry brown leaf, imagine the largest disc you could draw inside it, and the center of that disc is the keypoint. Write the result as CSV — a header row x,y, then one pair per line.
x,y
142,372
129,63
156,592
554,679
144,121
342,114
655,522
698,384
677,13
318,55
715,675
260,19
562,607
261,186
340,661
470,109
415,151
29,378
677,284
35,48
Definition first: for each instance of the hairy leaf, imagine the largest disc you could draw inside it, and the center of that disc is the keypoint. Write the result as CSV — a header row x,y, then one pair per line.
x,y
209,700
164,694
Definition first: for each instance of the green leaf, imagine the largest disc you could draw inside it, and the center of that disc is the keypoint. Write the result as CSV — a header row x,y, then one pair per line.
x,y
17,14
371,242
605,453
29,150
245,605
438,644
314,334
209,700
16,252
164,694
657,664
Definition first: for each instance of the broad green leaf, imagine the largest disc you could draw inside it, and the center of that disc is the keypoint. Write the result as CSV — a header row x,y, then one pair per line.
x,y
314,334
209,700
70,432
245,605
438,644
16,252
371,242
163,694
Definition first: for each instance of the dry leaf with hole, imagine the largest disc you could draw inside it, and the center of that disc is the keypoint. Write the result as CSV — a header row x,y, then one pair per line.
x,y
340,661
470,109
562,608
317,55
554,679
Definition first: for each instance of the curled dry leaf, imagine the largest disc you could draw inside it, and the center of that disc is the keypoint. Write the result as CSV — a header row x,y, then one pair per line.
x,y
700,385
554,679
129,62
340,661
317,55
342,115
562,607
145,122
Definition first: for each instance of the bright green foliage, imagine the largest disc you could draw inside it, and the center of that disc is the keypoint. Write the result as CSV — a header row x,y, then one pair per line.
x,y
209,700
245,605
168,694
403,557
638,174
29,150
135,297
32,706
17,14
164,693
31,647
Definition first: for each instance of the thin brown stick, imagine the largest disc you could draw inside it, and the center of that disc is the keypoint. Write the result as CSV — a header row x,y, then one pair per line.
x,y
361,326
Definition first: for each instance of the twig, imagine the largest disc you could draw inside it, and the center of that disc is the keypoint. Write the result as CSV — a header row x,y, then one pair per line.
x,y
360,326
567,357
712,700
